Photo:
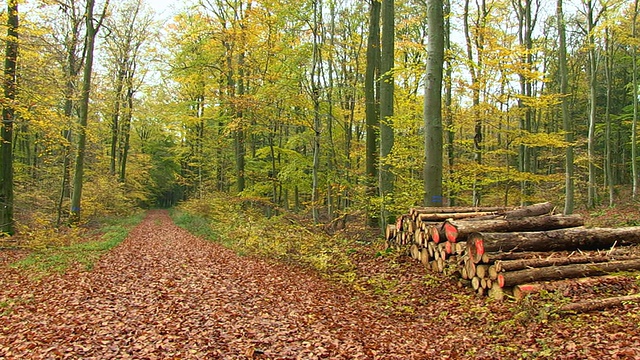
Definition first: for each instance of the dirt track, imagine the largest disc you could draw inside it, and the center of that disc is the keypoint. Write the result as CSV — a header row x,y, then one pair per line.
x,y
164,293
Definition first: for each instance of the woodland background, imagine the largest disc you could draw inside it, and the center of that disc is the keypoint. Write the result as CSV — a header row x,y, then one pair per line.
x,y
280,102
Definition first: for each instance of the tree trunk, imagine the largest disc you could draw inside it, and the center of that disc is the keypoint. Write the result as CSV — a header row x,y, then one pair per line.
x,y
599,304
609,50
371,106
634,125
459,230
566,116
83,114
432,111
315,97
8,118
387,86
513,278
522,290
458,209
448,98
592,73
514,265
126,133
115,117
553,240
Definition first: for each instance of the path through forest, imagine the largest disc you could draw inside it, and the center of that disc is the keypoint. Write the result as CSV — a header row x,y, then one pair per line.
x,y
164,293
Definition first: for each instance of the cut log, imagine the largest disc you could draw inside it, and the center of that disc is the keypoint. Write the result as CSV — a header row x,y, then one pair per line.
x,y
445,216
513,265
531,210
482,271
599,304
458,230
522,290
496,292
391,232
509,279
553,240
475,283
458,209
434,233
527,211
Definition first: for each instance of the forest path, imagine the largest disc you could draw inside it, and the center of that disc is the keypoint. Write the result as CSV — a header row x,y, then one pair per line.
x,y
164,293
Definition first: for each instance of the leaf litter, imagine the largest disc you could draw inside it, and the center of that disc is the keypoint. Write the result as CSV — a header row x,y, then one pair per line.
x,y
164,293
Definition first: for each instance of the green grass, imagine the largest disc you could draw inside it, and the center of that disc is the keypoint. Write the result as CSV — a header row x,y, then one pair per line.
x,y
197,225
59,259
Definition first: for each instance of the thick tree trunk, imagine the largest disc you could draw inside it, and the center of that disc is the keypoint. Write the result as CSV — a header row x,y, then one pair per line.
x,y
432,111
514,265
458,230
554,240
8,113
513,278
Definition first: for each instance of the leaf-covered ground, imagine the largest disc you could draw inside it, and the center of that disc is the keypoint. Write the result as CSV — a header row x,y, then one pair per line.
x,y
164,293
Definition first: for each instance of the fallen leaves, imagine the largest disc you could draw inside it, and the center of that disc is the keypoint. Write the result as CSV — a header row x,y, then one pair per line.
x,y
164,293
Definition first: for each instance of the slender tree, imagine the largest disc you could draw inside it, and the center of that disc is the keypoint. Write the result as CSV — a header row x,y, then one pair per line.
x,y
634,126
448,95
566,117
73,58
8,117
387,86
92,28
371,103
592,20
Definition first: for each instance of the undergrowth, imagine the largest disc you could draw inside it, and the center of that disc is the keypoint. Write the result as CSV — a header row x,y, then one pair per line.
x,y
239,225
48,257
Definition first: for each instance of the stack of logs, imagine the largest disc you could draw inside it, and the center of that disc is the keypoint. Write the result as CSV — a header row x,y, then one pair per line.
x,y
498,250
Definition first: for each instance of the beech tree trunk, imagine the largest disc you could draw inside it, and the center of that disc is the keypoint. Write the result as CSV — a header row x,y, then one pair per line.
x,y
432,110
513,278
599,304
458,230
553,240
522,290
514,265
6,133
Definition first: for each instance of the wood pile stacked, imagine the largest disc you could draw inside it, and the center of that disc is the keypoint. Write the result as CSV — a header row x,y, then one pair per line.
x,y
498,250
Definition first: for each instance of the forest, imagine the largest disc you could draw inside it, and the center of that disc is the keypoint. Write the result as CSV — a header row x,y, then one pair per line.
x,y
324,107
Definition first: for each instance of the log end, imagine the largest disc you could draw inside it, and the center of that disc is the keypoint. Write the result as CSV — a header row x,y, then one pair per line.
x,y
450,232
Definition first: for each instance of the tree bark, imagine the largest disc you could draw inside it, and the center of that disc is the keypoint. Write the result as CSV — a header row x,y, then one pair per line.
x,y
371,106
458,230
553,240
514,265
91,32
599,304
8,119
513,278
566,116
433,105
522,290
458,209
387,86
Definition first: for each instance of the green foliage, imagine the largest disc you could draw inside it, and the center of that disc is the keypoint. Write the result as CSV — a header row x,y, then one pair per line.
x,y
240,224
45,260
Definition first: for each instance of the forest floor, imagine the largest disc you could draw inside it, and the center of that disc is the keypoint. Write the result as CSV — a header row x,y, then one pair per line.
x,y
165,293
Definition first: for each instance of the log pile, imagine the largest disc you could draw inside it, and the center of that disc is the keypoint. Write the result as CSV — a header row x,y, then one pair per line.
x,y
501,250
